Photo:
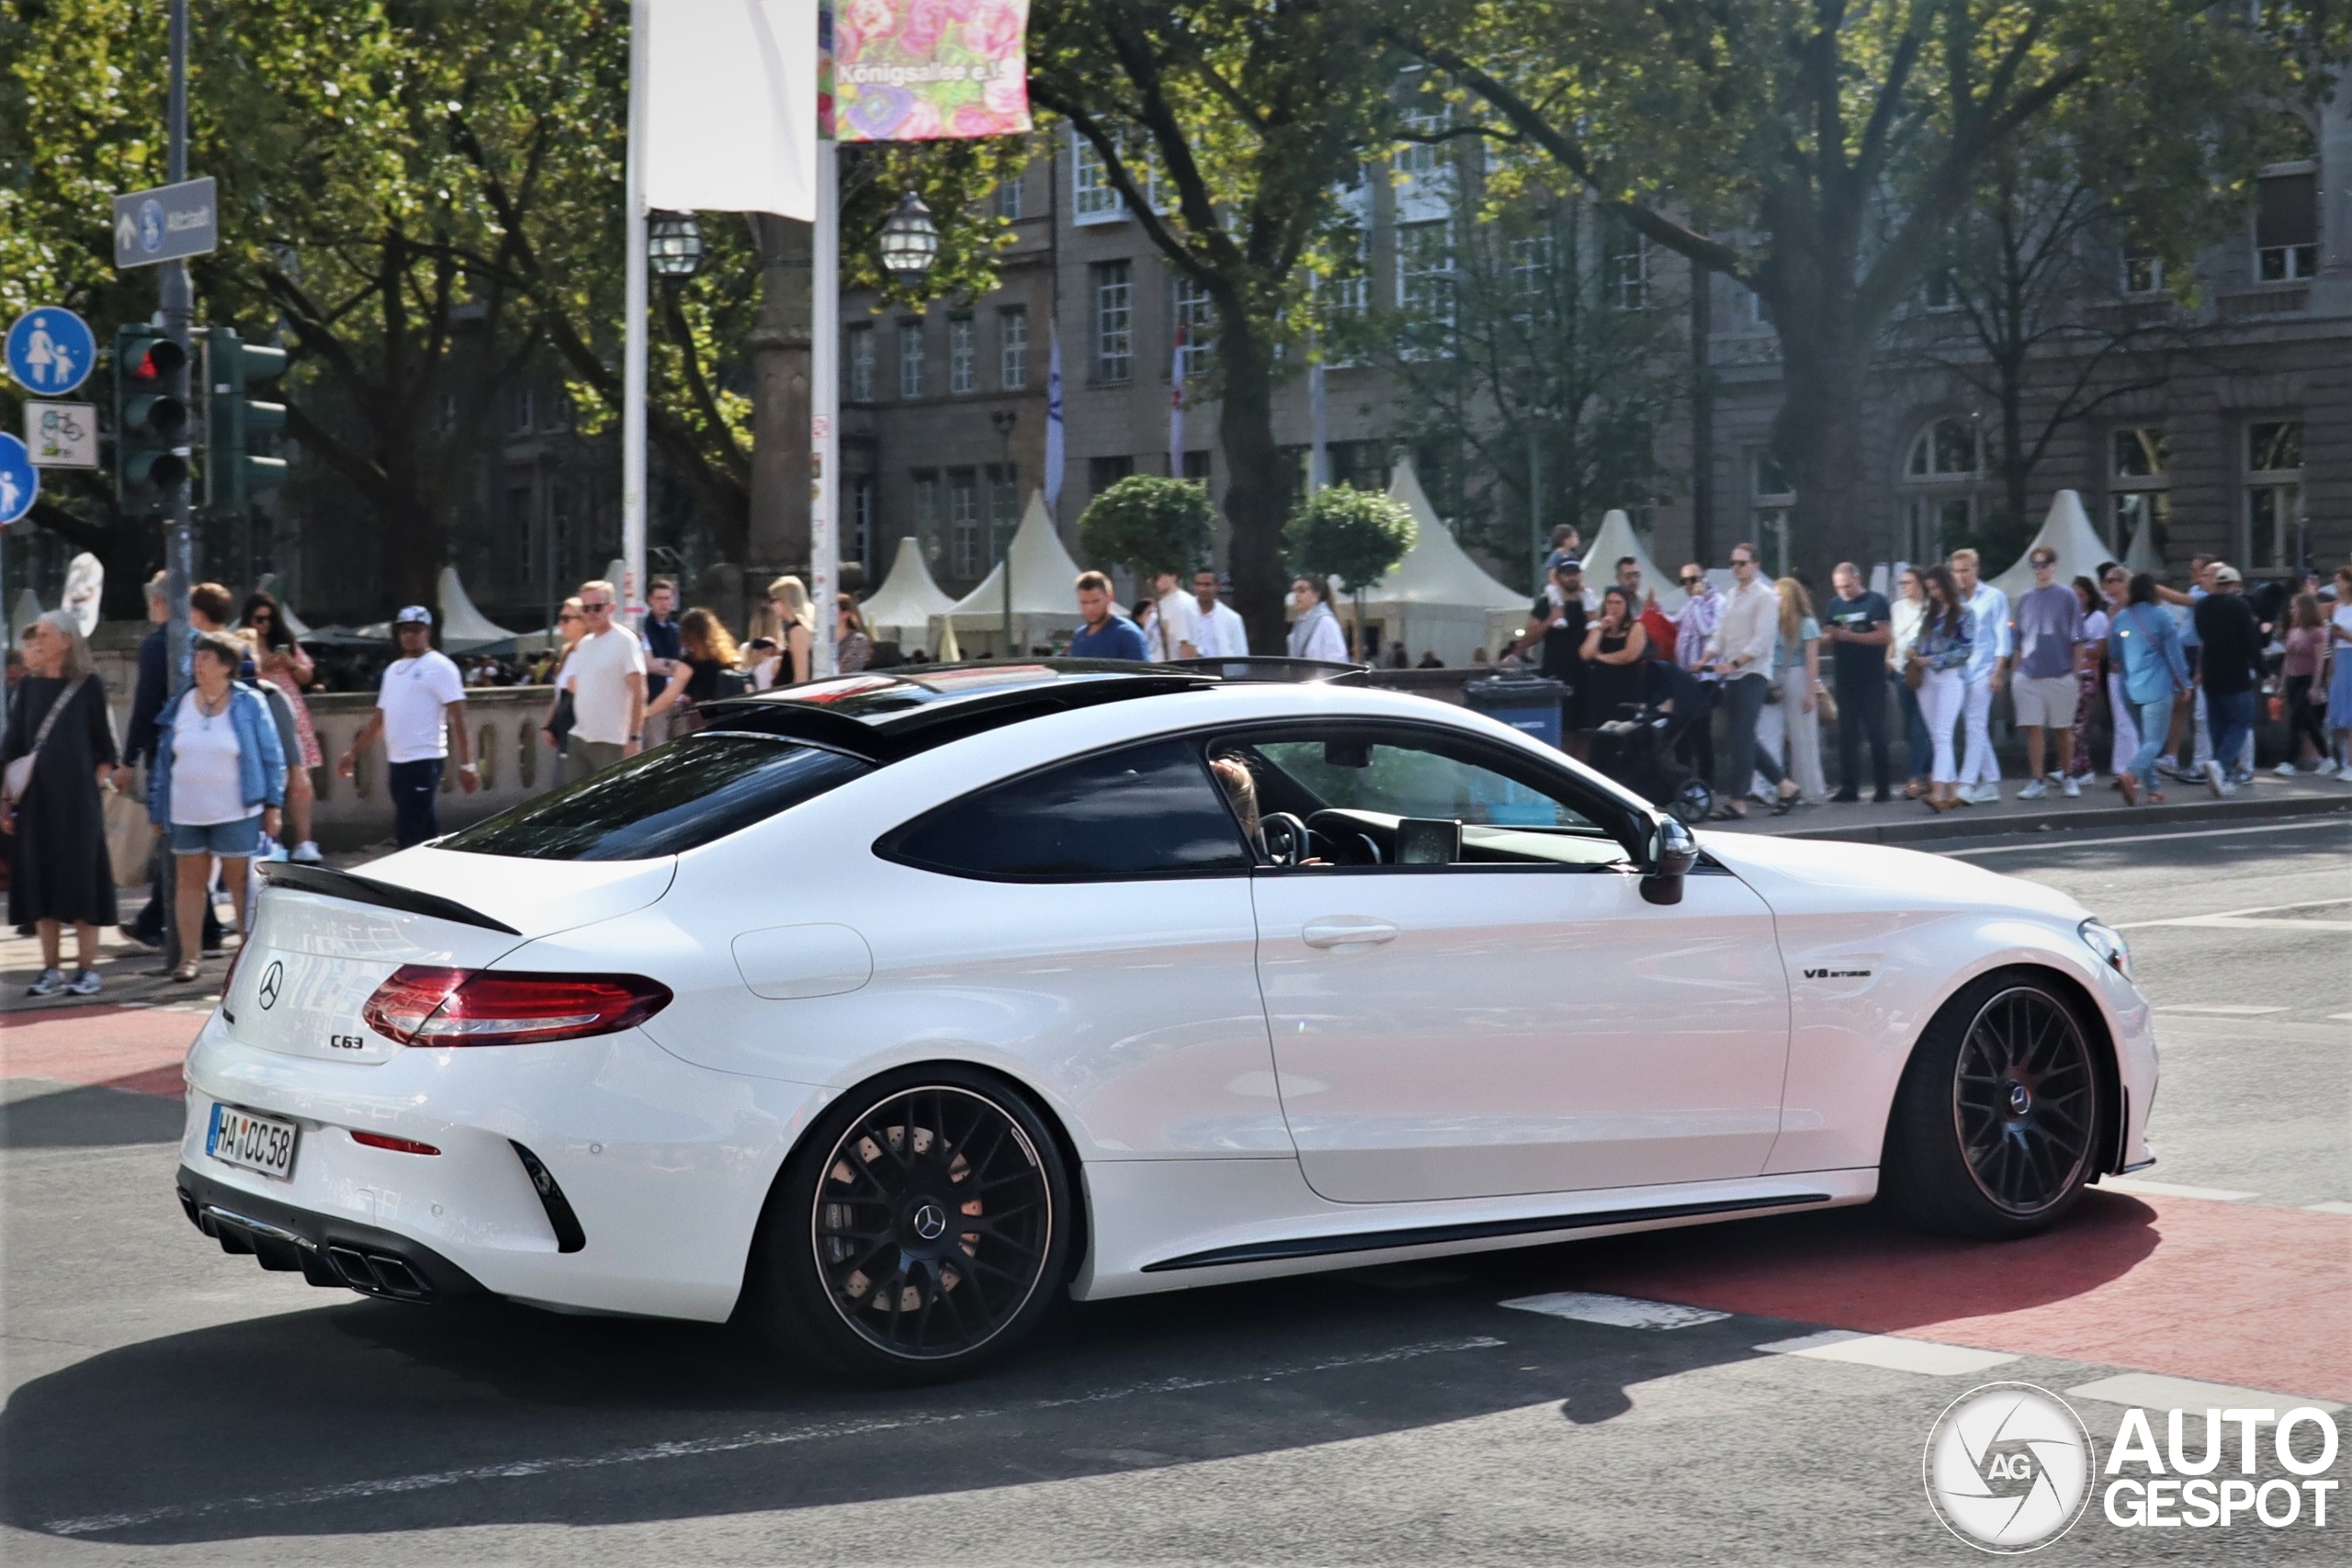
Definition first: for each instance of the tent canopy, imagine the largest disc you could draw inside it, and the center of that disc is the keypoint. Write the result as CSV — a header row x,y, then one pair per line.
x,y
901,609
2068,531
1617,540
1436,599
2143,555
462,625
1044,577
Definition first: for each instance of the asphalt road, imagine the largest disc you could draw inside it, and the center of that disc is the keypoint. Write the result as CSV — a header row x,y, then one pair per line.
x,y
168,1403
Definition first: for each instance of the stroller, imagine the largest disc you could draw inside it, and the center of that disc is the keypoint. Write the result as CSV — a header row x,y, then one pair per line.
x,y
1639,746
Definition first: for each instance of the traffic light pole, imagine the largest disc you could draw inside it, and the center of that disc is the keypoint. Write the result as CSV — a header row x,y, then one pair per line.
x,y
177,320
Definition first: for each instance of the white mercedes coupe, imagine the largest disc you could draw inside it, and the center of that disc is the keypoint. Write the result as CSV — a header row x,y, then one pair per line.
x,y
887,1010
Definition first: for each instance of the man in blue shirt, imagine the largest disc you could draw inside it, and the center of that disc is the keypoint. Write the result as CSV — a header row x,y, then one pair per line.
x,y
1988,669
1106,633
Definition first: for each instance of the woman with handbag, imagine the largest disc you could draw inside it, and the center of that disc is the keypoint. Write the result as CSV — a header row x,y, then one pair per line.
x,y
218,781
59,748
1932,670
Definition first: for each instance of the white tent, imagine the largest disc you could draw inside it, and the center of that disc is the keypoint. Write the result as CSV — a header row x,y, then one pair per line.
x,y
1617,540
901,609
462,625
2067,530
2142,555
1044,591
1437,598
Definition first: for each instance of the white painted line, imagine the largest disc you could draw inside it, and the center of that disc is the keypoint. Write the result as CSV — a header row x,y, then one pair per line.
x,y
694,1448
2333,1206
2151,1391
2248,914
2173,1189
2242,923
1617,1312
2339,1017
1892,1351
2045,846
2219,1010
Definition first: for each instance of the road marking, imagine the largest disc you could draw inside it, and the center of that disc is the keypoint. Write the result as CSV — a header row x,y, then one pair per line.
x,y
1892,1351
1617,1312
2219,1010
2143,839
695,1448
2173,1189
2339,1017
2151,1391
2251,920
2333,1206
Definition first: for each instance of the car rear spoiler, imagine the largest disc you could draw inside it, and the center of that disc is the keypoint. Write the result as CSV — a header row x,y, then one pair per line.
x,y
356,889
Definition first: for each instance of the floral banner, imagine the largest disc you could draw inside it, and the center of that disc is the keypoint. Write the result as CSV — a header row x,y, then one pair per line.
x,y
922,70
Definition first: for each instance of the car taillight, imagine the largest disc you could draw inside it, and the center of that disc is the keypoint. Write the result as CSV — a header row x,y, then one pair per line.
x,y
425,1005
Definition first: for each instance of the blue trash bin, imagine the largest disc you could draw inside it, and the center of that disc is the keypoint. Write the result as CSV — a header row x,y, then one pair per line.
x,y
1530,703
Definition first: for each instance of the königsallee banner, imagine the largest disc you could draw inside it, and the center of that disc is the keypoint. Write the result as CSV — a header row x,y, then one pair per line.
x,y
922,70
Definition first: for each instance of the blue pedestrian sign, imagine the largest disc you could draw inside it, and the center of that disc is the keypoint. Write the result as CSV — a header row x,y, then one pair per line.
x,y
50,351
19,480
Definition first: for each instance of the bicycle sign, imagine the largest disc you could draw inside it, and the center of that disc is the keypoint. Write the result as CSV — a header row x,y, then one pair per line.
x,y
61,435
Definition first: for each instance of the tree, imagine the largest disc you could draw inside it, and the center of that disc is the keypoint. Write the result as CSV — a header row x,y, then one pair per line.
x,y
1817,151
1149,525
1228,128
1355,536
1550,362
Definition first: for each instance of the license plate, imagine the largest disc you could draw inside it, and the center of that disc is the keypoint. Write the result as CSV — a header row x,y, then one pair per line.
x,y
257,1142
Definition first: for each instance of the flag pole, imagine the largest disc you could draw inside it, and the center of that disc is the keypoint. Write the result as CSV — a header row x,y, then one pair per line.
x,y
633,307
824,404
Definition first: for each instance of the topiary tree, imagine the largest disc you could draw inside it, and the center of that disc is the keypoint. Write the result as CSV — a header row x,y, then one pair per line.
x,y
1149,525
1356,536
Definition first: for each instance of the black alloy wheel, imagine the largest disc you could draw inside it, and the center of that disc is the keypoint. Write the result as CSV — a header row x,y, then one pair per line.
x,y
1998,1120
2024,1102
929,1229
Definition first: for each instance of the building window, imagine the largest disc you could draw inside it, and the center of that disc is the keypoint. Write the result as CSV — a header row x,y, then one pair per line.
x,y
2274,491
2140,486
910,359
1425,275
1759,310
1626,261
1945,449
2286,223
1115,322
963,357
1196,466
861,521
1093,199
861,365
1011,196
1771,501
963,524
1942,472
2143,273
1193,322
1359,465
1102,473
525,406
1940,290
1531,263
1012,348
926,486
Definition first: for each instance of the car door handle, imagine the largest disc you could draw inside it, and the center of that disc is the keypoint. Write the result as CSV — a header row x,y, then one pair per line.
x,y
1347,930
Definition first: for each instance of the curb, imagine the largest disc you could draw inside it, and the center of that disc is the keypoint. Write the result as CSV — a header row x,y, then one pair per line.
x,y
1967,824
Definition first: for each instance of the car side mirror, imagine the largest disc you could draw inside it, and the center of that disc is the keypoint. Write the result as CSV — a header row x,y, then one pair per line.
x,y
1673,851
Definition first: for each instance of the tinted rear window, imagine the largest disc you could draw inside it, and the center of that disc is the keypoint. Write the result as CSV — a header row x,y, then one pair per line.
x,y
665,801
1145,811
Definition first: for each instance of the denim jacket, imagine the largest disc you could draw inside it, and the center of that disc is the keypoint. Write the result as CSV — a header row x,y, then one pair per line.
x,y
261,760
1945,650
2143,643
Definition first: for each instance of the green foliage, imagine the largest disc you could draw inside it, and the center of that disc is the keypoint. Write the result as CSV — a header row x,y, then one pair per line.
x,y
1355,536
1149,523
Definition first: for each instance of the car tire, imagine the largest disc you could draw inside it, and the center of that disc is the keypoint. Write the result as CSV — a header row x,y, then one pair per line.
x,y
1997,1122
918,1233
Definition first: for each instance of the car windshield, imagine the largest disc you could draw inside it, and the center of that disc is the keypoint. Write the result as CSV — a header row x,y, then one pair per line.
x,y
665,801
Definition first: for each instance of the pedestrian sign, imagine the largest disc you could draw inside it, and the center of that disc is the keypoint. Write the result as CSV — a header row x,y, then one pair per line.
x,y
62,436
50,351
19,480
165,223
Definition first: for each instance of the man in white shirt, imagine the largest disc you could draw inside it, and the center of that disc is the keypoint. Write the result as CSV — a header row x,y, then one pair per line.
x,y
605,676
1221,634
1175,630
1988,669
421,713
1740,654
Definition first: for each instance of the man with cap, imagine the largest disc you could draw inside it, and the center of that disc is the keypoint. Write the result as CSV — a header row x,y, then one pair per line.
x,y
421,713
1555,624
2230,672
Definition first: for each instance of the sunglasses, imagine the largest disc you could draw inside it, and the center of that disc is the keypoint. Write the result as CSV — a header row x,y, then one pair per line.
x,y
1694,577
591,609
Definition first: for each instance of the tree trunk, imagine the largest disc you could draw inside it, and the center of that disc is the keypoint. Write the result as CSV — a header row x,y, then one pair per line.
x,y
1257,496
778,534
1817,439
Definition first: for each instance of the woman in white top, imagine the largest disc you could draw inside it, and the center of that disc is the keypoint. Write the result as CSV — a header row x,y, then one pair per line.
x,y
219,780
570,625
1910,608
1316,633
2090,674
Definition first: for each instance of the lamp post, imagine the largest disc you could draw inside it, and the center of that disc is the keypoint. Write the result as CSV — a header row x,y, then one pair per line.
x,y
1536,415
1004,420
910,241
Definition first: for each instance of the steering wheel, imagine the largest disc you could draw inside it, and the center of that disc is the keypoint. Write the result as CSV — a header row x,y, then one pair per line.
x,y
1351,844
1285,836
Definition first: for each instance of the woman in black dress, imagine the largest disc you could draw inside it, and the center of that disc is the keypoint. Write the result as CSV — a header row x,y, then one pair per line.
x,y
1613,649
58,868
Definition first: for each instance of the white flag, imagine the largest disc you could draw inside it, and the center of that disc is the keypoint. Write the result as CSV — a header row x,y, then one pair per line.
x,y
1054,431
1176,409
731,105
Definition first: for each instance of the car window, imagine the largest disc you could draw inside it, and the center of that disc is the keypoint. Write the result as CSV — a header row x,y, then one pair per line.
x,y
1374,780
1142,811
663,802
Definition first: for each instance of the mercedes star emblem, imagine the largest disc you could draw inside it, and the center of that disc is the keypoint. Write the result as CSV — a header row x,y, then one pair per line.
x,y
930,1221
272,979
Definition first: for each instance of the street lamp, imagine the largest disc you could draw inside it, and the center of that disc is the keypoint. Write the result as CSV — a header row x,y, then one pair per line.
x,y
909,240
1004,420
673,243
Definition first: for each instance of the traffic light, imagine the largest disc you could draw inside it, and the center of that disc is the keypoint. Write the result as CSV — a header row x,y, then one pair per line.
x,y
235,419
149,419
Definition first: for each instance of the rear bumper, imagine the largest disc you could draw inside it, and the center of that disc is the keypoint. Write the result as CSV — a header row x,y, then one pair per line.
x,y
325,1249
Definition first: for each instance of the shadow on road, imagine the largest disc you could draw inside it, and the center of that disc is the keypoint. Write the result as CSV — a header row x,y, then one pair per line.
x,y
97,1116
364,1416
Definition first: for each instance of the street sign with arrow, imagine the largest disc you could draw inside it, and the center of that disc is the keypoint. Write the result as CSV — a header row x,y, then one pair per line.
x,y
165,223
